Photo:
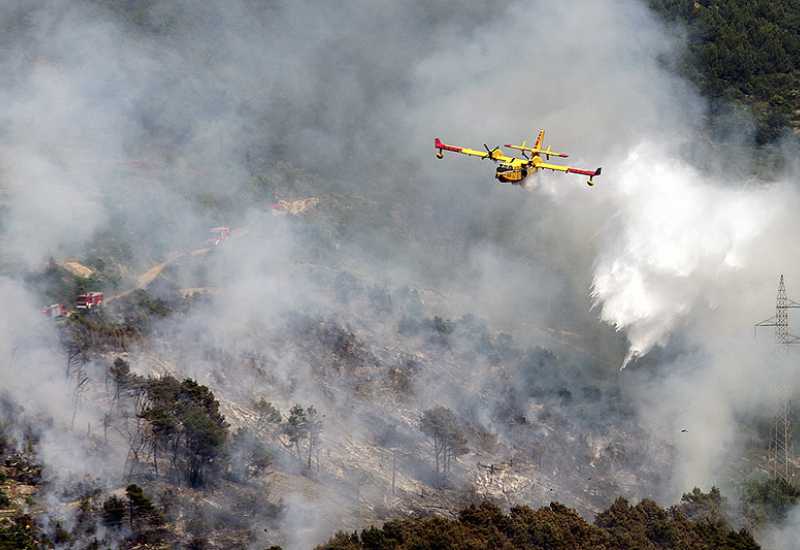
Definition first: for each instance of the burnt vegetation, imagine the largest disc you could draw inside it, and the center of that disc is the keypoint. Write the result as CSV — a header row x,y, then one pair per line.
x,y
178,439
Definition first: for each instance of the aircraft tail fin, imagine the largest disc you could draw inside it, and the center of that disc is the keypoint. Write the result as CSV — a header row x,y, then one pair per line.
x,y
539,140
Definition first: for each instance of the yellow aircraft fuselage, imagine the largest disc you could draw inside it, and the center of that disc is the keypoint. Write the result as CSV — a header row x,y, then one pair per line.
x,y
506,173
517,170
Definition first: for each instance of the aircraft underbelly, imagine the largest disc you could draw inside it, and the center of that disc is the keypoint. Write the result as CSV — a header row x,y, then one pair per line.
x,y
511,176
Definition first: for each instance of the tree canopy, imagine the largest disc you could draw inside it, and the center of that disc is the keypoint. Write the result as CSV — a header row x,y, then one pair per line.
x,y
644,526
744,51
442,426
185,422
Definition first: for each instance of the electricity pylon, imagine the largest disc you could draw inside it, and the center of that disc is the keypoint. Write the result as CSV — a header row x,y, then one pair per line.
x,y
780,446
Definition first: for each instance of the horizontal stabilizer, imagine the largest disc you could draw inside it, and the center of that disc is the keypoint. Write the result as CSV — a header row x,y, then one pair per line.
x,y
537,151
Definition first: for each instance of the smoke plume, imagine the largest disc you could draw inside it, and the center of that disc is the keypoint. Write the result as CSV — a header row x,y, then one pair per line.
x,y
138,129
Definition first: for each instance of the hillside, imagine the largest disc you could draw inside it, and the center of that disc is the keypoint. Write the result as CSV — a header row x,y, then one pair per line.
x,y
247,305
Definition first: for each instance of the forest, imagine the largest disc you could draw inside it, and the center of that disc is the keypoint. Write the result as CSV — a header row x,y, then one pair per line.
x,y
644,526
743,53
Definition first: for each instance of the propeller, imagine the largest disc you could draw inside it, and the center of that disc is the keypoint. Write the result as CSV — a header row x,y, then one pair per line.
x,y
524,153
490,151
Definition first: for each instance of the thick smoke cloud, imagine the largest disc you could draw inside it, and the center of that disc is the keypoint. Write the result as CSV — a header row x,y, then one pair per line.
x,y
33,372
679,242
127,124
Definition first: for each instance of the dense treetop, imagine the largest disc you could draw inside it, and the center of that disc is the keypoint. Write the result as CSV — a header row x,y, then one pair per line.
x,y
747,51
645,526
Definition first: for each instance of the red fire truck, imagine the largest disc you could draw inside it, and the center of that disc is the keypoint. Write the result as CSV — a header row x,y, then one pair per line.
x,y
89,300
55,311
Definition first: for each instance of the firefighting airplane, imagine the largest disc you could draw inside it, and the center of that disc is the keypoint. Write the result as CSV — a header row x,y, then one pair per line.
x,y
514,170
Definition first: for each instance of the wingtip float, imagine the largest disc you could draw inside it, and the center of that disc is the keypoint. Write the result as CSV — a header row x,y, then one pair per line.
x,y
514,170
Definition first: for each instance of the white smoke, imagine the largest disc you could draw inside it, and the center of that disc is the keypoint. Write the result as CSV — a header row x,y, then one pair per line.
x,y
678,248
679,236
33,368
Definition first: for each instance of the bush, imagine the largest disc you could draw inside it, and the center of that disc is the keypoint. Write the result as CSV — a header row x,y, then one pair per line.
x,y
141,508
249,457
113,513
20,534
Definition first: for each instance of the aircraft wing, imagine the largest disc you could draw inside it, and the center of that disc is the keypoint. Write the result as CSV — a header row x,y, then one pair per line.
x,y
495,155
567,169
554,167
